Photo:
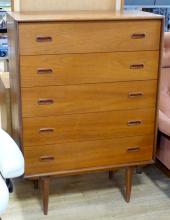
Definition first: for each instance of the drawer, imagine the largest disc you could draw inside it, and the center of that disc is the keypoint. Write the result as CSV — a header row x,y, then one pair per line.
x,y
86,37
88,68
61,158
89,126
58,100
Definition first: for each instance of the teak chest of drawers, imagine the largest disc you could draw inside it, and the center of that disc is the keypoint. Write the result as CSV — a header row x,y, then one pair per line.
x,y
84,90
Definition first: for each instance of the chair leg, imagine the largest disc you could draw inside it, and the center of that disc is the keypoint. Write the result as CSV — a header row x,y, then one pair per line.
x,y
9,185
129,176
44,182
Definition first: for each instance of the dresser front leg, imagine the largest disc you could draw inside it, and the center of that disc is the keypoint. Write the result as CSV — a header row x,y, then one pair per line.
x,y
129,176
44,182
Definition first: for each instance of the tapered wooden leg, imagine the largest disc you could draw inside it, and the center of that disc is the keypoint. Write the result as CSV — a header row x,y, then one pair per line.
x,y
139,170
36,184
44,181
111,174
129,176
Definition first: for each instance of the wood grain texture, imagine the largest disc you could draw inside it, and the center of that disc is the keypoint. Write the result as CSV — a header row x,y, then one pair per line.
x,y
59,100
85,37
89,126
88,154
88,68
85,135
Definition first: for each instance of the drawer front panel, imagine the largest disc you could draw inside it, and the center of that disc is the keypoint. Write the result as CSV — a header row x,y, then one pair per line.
x,y
90,154
89,126
58,100
88,68
85,37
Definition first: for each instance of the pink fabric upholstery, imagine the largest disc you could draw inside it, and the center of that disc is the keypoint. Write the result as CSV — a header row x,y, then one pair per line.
x,y
166,53
163,153
164,102
164,123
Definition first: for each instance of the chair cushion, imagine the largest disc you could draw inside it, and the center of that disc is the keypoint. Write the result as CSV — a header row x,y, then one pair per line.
x,y
11,158
4,195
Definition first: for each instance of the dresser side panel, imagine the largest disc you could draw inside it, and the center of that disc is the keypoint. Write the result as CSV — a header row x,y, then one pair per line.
x,y
14,80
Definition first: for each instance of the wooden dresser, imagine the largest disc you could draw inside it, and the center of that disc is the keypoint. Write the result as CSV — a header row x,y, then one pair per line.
x,y
84,88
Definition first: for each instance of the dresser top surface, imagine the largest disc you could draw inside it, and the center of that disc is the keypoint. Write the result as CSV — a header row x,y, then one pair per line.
x,y
81,16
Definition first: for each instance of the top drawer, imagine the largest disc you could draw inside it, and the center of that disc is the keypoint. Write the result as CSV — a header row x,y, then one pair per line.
x,y
86,37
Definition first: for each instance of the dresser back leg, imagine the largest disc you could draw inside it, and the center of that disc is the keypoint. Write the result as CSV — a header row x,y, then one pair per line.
x,y
36,184
129,176
111,174
44,183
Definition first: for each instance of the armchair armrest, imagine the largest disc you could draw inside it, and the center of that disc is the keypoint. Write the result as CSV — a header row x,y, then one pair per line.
x,y
11,158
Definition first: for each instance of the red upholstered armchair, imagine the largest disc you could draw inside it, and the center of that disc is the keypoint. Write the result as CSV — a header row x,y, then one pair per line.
x,y
163,153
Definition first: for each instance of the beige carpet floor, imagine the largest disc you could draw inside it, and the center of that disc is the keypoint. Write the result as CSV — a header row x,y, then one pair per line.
x,y
94,197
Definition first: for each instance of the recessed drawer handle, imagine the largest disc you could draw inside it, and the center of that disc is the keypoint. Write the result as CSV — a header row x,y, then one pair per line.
x,y
45,101
138,36
44,71
44,130
136,66
135,94
42,39
134,122
133,149
47,158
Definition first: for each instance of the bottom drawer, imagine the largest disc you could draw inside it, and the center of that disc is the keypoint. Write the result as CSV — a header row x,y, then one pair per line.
x,y
62,158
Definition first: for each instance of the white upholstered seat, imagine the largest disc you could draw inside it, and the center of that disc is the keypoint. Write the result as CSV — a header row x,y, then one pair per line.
x,y
11,165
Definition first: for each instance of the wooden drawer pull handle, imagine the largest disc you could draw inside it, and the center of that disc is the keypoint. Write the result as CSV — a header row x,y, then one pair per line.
x,y
44,71
45,101
134,122
136,66
42,39
135,94
44,130
133,149
47,158
138,36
